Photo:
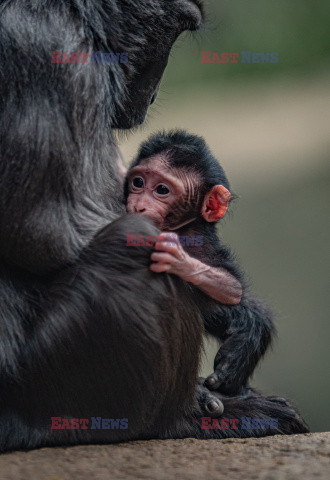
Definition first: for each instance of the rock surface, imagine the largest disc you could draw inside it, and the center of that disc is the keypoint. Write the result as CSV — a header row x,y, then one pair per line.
x,y
272,458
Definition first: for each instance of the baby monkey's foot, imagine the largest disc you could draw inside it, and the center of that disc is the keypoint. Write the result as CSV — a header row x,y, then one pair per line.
x,y
210,403
228,377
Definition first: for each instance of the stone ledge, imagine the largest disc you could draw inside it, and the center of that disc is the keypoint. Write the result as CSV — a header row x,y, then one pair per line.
x,y
271,458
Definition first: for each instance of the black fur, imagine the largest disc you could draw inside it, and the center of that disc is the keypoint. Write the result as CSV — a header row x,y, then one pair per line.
x,y
184,151
246,329
85,328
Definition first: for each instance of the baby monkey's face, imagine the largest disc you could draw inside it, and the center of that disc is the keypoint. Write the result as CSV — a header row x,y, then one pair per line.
x,y
161,193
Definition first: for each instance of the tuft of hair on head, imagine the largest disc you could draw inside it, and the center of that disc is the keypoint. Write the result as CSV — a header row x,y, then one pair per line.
x,y
187,151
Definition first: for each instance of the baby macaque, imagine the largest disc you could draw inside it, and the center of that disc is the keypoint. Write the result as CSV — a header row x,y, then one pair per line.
x,y
172,194
177,183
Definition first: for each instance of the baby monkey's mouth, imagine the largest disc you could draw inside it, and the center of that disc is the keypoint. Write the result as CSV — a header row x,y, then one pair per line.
x,y
152,218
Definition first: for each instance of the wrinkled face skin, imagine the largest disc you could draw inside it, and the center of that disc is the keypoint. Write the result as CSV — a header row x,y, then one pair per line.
x,y
169,197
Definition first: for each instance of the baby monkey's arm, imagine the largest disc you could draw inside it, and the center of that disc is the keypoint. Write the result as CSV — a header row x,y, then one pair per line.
x,y
170,257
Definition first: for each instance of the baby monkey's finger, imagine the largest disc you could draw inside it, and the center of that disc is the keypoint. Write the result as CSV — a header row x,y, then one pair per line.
x,y
159,267
166,247
169,237
161,257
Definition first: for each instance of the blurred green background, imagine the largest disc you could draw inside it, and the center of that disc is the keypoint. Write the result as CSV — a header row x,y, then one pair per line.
x,y
269,126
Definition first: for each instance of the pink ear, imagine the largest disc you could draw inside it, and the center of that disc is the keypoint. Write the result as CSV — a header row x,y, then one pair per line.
x,y
215,203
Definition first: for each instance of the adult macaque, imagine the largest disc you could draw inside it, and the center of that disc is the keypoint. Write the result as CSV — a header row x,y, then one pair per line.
x,y
77,339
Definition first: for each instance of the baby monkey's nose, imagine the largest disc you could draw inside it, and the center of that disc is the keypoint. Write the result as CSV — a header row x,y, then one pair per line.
x,y
139,209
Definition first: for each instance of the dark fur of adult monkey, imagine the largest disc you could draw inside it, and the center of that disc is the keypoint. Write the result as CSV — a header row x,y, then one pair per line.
x,y
77,337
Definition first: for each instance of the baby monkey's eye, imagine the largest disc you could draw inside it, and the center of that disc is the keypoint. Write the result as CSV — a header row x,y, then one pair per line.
x,y
162,190
137,182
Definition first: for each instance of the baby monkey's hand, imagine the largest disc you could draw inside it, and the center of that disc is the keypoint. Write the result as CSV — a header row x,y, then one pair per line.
x,y
170,257
217,283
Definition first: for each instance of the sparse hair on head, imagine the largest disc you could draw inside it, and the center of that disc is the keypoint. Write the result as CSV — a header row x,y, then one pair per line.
x,y
187,151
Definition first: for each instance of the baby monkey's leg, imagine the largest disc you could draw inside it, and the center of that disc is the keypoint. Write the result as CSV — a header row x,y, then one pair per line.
x,y
246,331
